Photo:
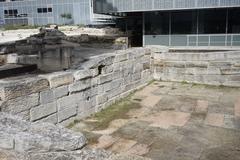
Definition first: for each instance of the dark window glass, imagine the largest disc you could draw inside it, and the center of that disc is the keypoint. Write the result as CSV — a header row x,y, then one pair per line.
x,y
184,22
5,11
156,23
39,10
212,21
233,21
44,10
49,9
10,12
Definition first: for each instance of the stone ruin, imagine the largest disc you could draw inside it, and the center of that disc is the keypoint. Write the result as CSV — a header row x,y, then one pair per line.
x,y
51,50
43,100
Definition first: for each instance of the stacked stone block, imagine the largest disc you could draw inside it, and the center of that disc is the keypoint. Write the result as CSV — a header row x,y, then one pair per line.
x,y
213,68
60,97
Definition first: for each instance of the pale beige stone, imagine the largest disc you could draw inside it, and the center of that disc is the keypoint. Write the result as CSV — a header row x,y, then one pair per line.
x,y
237,108
122,145
166,119
105,142
151,101
202,106
215,119
139,149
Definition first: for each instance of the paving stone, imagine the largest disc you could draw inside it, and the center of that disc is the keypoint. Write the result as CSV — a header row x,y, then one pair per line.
x,y
166,119
105,141
151,101
122,145
139,149
202,106
215,119
237,108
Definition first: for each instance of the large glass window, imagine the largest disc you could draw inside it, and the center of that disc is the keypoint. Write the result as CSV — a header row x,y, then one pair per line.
x,y
157,23
183,22
212,21
233,20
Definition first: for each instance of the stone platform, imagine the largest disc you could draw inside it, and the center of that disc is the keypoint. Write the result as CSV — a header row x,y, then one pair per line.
x,y
171,121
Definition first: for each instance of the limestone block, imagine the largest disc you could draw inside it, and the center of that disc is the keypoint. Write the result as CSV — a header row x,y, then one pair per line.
x,y
121,57
43,111
80,85
138,68
86,105
82,74
230,71
198,64
105,78
67,113
94,72
102,99
20,104
6,141
46,96
50,119
107,69
146,65
22,87
68,102
59,78
60,92
157,48
234,78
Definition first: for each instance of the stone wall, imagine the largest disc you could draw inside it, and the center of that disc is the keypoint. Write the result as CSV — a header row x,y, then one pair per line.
x,y
61,97
202,67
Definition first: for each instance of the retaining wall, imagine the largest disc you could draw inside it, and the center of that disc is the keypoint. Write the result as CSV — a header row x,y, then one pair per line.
x,y
213,68
63,96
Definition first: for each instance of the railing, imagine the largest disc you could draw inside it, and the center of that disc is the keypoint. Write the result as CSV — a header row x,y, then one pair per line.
x,y
193,40
106,6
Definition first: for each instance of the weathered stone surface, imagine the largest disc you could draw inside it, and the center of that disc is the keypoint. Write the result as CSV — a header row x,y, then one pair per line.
x,y
80,85
43,111
67,113
59,78
50,119
23,87
60,92
38,137
47,96
20,104
82,74
105,78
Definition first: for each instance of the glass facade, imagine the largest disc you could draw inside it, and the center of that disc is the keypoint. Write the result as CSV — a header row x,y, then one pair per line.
x,y
42,12
206,27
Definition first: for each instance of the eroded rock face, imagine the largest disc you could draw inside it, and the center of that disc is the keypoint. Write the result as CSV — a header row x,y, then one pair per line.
x,y
22,136
23,140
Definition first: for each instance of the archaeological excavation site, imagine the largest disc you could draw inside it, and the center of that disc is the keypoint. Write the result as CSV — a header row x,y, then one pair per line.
x,y
94,97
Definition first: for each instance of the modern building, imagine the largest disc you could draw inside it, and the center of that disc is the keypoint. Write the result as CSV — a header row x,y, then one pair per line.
x,y
42,12
177,22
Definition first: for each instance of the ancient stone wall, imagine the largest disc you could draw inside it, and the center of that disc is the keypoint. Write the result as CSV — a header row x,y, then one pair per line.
x,y
208,67
60,97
